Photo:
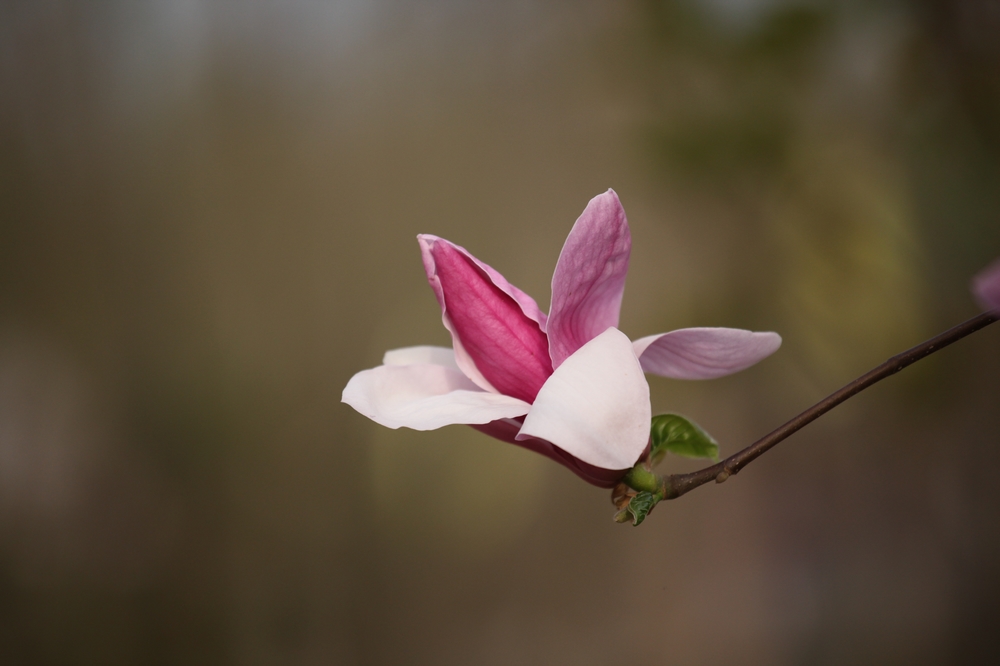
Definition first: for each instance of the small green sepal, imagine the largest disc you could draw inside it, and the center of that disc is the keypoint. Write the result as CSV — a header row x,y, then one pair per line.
x,y
639,507
675,434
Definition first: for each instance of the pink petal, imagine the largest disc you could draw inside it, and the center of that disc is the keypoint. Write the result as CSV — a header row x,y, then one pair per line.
x,y
986,286
595,406
589,279
494,339
703,353
425,397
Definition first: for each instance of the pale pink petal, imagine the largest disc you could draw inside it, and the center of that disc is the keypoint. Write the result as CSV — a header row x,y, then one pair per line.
x,y
493,338
704,353
589,279
986,286
422,354
595,406
425,397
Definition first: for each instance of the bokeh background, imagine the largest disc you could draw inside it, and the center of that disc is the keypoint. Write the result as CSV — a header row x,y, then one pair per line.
x,y
207,220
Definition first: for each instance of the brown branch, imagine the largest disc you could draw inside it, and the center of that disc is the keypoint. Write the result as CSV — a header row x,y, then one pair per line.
x,y
678,484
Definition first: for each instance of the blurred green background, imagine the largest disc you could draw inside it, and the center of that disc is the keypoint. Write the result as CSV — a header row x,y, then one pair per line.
x,y
207,220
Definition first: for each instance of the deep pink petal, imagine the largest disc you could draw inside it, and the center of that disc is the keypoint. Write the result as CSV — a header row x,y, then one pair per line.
x,y
986,286
703,353
496,341
589,279
528,305
506,430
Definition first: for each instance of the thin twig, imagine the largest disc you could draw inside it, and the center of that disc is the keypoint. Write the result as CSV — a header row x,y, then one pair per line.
x,y
678,484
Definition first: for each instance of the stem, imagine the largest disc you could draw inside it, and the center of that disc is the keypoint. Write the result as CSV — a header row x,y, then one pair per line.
x,y
678,484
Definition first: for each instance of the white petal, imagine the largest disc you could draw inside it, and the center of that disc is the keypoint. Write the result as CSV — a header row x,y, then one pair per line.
x,y
704,353
424,397
423,354
595,406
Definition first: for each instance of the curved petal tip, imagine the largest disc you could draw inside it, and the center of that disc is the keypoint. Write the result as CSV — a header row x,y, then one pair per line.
x,y
704,353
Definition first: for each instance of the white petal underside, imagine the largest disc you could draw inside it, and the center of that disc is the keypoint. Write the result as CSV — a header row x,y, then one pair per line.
x,y
425,397
595,406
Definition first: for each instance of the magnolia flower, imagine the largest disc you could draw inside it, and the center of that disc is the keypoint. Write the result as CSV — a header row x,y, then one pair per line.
x,y
986,286
568,385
